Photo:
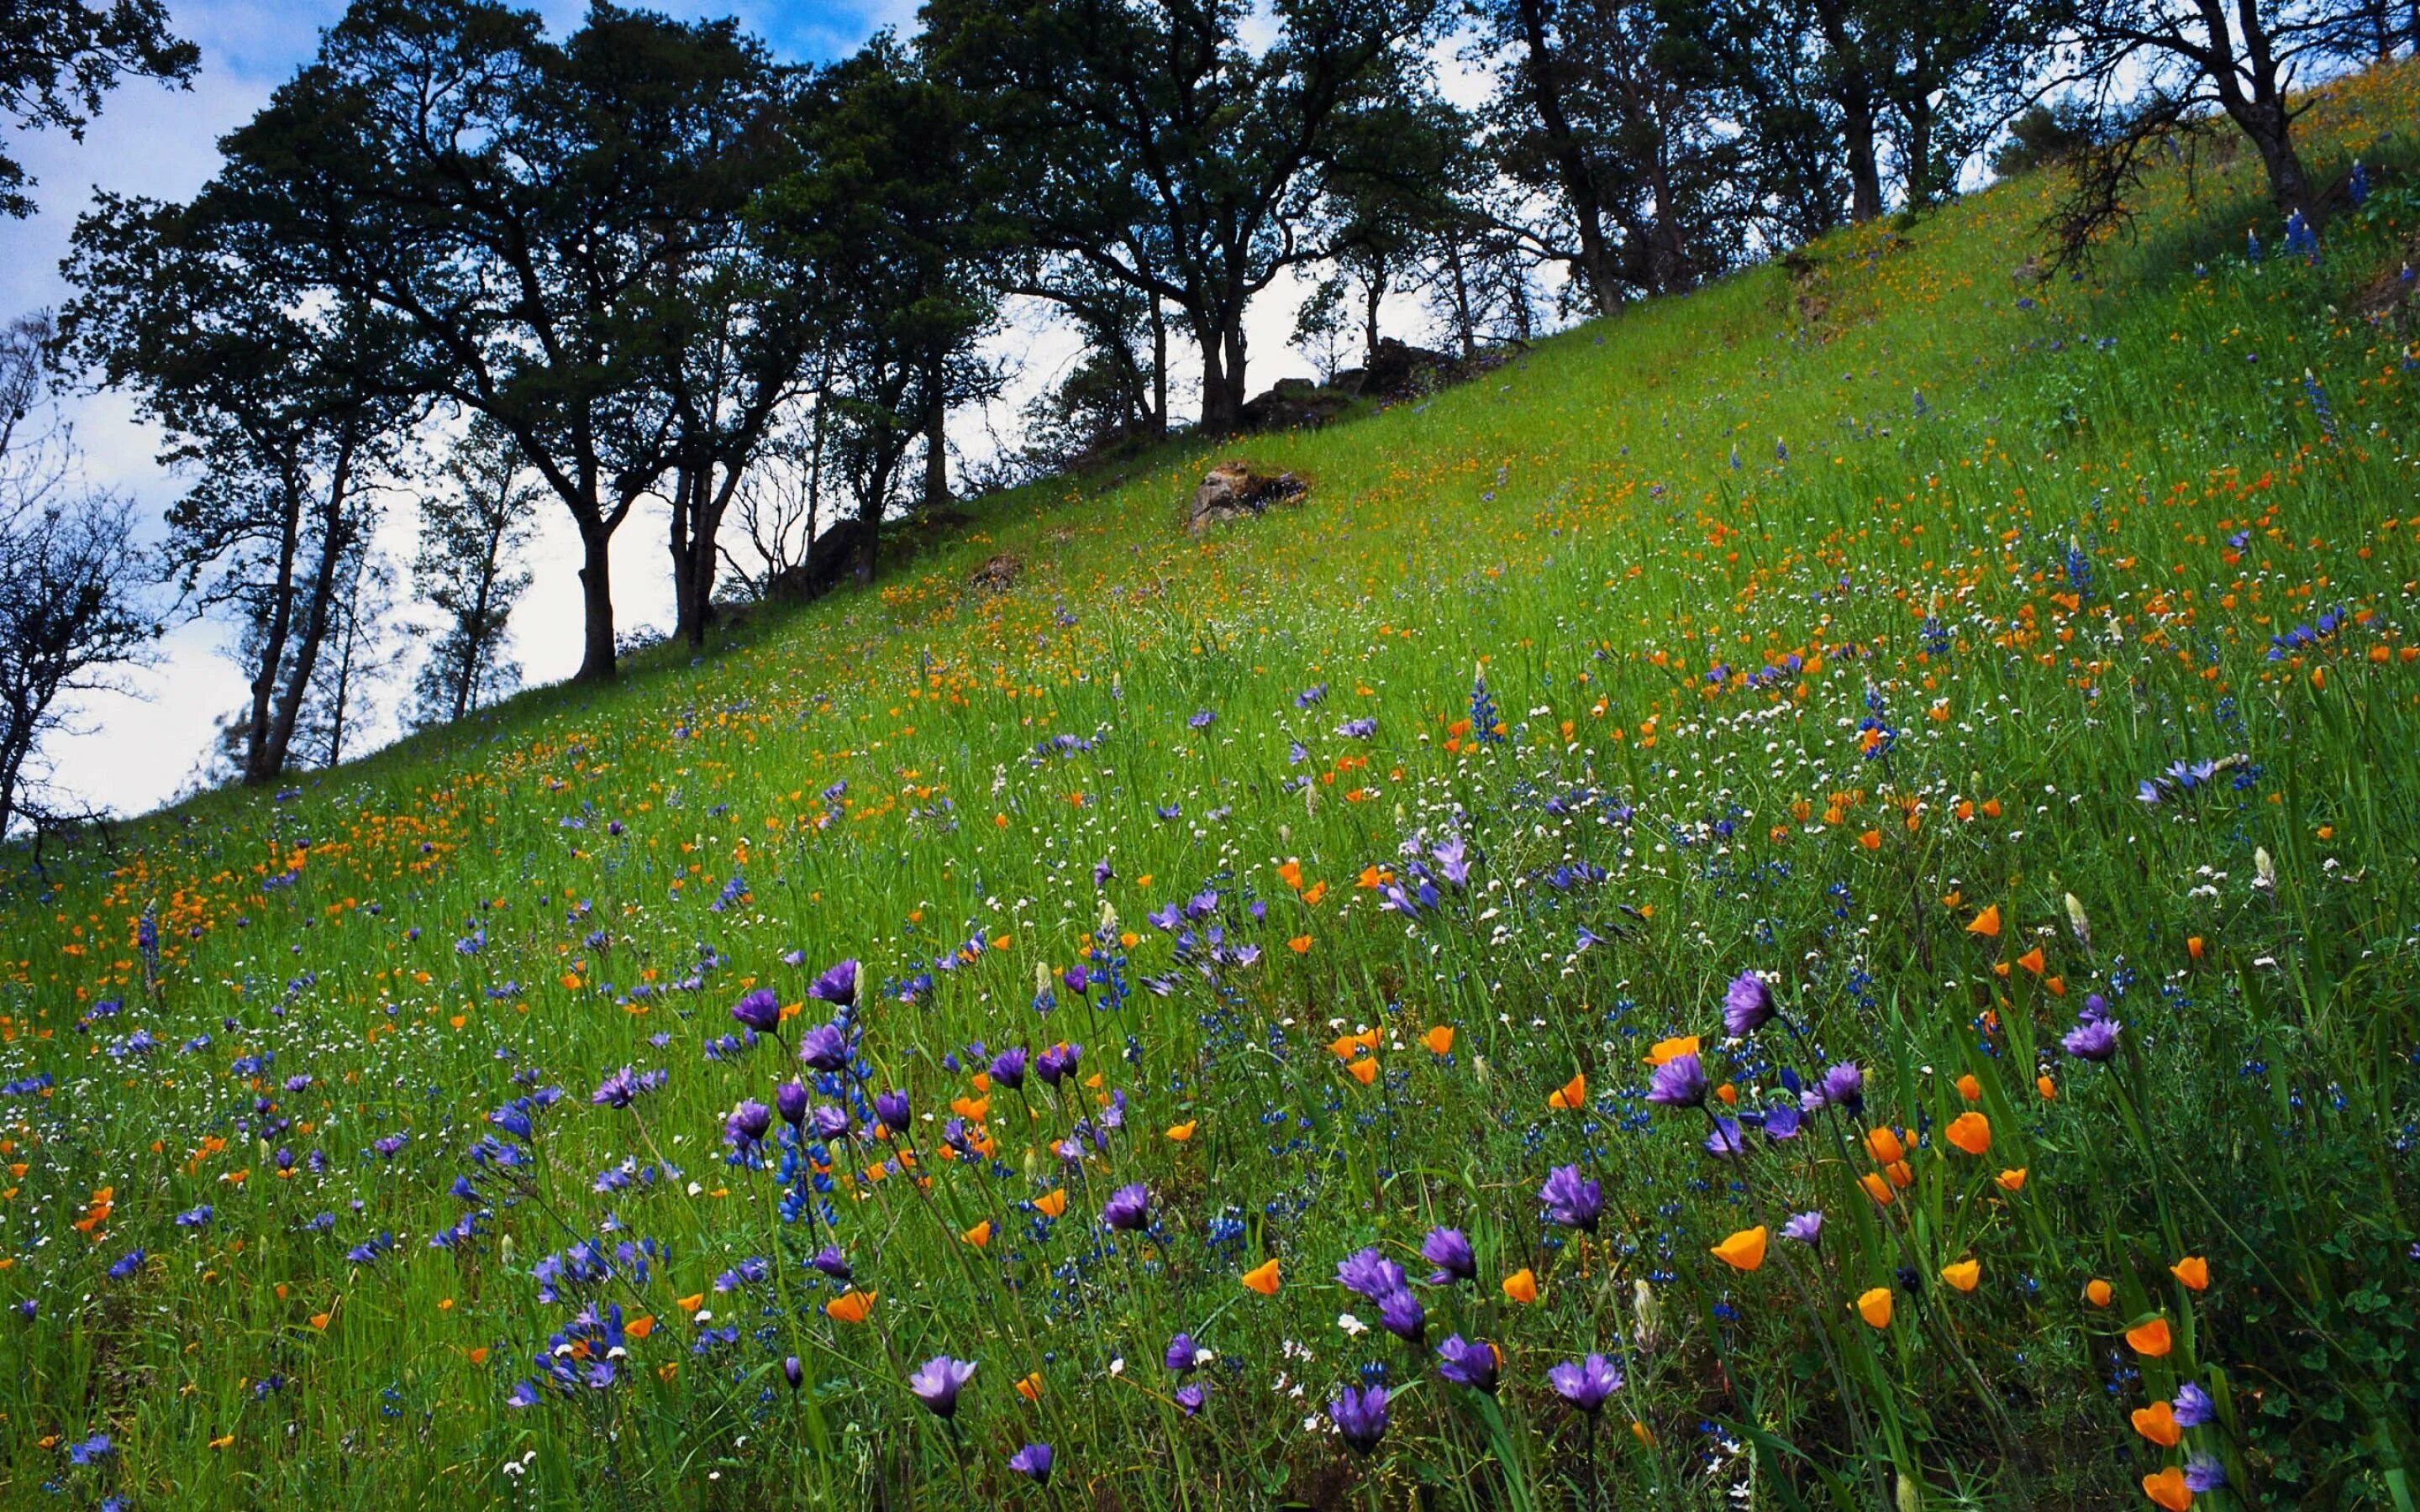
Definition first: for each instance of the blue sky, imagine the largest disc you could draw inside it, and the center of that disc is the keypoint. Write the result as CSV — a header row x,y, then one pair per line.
x,y
133,753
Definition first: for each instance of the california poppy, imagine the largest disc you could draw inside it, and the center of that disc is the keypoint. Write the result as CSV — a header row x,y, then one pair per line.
x,y
1521,1286
1884,1146
2012,1180
1571,1094
1263,1278
979,1235
2192,1270
2167,1489
2158,1422
1053,1203
1969,1089
1439,1040
1875,1307
850,1307
1963,1275
2098,1292
1987,923
1970,1131
2150,1339
1364,1071
1181,1132
1744,1250
1876,1188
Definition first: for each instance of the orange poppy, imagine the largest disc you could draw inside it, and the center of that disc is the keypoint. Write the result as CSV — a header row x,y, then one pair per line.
x,y
2011,1180
1439,1040
1521,1286
692,1303
1364,1071
1884,1147
2150,1339
639,1328
1987,923
1182,1132
2158,1422
1875,1307
1664,1050
1877,1188
1969,1089
1970,1131
2033,961
1571,1094
850,1307
1263,1278
2098,1292
2192,1270
1744,1250
1963,1275
1053,1203
2167,1489
979,1235
1030,1387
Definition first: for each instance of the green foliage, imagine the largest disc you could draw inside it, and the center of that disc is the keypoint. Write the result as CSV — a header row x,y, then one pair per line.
x,y
1949,649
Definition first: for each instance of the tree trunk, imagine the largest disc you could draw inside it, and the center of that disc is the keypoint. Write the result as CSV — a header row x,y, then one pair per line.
x,y
1572,166
271,651
1374,290
869,509
1160,336
689,624
1865,170
595,603
937,436
1221,404
1462,320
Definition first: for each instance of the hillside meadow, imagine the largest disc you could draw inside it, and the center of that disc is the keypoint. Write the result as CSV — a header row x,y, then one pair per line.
x,y
1803,898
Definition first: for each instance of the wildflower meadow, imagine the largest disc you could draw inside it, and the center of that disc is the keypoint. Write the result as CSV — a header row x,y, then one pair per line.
x,y
1803,897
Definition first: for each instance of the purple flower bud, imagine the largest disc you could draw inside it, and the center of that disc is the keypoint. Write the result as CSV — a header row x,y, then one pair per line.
x,y
1679,1083
1571,1200
1008,1067
1401,1314
837,986
1360,1416
1585,1384
892,1109
825,1047
1128,1207
937,1381
760,1010
791,1099
1747,1004
1033,1462
1058,1062
1450,1252
747,1124
1182,1356
1468,1362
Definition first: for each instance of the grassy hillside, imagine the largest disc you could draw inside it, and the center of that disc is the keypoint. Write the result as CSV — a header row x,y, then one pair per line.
x,y
2020,676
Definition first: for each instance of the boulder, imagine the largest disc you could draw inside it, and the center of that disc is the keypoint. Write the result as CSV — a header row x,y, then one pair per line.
x,y
830,560
1398,371
1294,404
1233,490
999,574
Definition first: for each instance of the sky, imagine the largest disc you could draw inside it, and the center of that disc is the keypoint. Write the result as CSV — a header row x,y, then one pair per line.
x,y
133,753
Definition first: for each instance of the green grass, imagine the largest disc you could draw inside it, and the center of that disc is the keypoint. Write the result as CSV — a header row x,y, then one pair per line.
x,y
2028,545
